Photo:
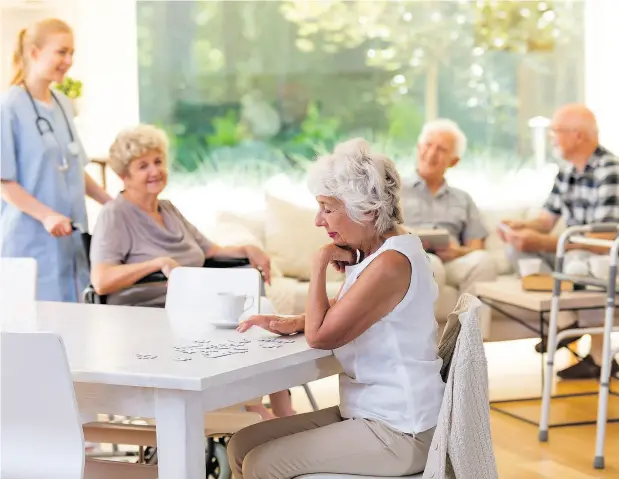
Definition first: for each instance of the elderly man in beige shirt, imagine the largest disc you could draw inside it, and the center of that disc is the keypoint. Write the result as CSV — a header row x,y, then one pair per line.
x,y
429,202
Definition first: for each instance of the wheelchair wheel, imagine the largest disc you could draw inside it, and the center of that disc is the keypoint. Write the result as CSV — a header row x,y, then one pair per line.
x,y
217,466
150,455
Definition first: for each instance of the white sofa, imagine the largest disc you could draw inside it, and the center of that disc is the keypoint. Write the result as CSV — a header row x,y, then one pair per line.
x,y
286,231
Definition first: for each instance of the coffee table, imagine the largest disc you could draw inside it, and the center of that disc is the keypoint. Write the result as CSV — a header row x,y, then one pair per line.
x,y
508,291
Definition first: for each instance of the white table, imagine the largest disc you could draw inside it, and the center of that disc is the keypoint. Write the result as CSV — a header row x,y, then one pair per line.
x,y
102,342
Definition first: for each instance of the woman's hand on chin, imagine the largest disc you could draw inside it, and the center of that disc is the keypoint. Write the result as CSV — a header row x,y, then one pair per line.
x,y
274,324
338,256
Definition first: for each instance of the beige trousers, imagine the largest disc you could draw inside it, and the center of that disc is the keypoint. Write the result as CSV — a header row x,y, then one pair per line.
x,y
462,273
323,441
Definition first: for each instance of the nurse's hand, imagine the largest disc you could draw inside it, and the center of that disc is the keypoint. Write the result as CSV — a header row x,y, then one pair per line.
x,y
57,225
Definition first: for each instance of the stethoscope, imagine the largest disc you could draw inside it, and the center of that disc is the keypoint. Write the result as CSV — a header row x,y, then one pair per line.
x,y
44,126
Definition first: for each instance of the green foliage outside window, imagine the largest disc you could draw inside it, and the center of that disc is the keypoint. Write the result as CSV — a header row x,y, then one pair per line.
x,y
253,88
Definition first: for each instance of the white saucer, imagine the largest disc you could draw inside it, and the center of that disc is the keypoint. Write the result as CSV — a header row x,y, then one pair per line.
x,y
224,324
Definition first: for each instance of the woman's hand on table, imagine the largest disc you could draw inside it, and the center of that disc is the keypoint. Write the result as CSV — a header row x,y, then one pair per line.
x,y
261,261
274,324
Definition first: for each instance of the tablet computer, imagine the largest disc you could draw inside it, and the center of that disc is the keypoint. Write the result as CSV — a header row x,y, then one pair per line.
x,y
433,238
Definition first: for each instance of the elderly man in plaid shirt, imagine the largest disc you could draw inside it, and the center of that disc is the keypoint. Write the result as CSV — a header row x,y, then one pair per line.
x,y
585,192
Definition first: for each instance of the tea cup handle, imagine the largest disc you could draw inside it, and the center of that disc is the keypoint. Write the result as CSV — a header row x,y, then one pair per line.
x,y
251,303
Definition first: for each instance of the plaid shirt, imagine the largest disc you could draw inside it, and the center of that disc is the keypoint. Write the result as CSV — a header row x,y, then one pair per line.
x,y
590,196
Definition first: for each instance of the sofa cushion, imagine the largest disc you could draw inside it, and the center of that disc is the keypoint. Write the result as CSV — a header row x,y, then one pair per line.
x,y
292,239
231,234
236,234
253,222
288,295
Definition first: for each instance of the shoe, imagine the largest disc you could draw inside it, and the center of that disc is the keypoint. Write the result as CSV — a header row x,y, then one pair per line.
x,y
541,346
587,369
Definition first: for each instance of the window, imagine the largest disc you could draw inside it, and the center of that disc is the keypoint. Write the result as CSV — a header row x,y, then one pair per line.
x,y
250,89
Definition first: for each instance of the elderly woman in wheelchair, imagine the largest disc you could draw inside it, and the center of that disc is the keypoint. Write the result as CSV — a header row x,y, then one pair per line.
x,y
381,327
138,234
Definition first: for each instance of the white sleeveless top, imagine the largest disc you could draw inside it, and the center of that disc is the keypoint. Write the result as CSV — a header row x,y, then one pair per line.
x,y
392,371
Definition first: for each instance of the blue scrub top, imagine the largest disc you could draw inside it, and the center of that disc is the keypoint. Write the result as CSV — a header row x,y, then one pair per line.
x,y
32,160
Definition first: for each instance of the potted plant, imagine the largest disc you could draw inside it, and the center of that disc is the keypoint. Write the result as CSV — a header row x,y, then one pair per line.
x,y
72,88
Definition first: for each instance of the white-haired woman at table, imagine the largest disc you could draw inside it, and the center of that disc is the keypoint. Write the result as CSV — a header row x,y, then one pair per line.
x,y
138,234
381,327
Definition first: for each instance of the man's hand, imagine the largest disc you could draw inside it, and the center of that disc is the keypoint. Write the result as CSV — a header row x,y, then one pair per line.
x,y
514,224
507,226
527,240
449,253
274,324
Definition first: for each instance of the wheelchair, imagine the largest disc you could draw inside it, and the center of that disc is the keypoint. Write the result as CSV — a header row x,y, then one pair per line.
x,y
90,296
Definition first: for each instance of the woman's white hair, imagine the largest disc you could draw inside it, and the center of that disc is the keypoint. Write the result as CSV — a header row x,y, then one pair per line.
x,y
135,142
449,126
366,182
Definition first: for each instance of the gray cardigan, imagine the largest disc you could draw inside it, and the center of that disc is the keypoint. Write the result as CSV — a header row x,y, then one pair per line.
x,y
462,443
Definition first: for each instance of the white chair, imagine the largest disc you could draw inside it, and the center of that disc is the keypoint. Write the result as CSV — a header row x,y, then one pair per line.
x,y
18,280
196,288
39,409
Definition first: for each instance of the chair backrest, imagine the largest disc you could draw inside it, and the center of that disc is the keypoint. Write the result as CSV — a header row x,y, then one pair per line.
x,y
41,432
195,289
466,303
18,280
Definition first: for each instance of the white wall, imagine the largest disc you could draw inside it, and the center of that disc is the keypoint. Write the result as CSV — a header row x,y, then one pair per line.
x,y
106,40
602,68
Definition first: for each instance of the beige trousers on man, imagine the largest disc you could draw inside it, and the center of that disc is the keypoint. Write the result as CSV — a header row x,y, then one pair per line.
x,y
462,273
323,441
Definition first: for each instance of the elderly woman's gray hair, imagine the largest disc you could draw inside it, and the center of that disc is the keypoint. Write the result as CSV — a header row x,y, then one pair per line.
x,y
449,126
135,142
366,182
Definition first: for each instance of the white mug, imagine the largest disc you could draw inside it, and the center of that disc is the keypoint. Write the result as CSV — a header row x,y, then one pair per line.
x,y
233,306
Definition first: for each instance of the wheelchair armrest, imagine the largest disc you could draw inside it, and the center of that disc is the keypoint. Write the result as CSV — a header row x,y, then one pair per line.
x,y
90,296
225,262
159,277
156,277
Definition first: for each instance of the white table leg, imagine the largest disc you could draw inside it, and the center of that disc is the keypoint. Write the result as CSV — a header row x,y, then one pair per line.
x,y
180,434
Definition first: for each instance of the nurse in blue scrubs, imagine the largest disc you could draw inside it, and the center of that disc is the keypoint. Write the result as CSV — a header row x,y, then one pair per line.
x,y
42,165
